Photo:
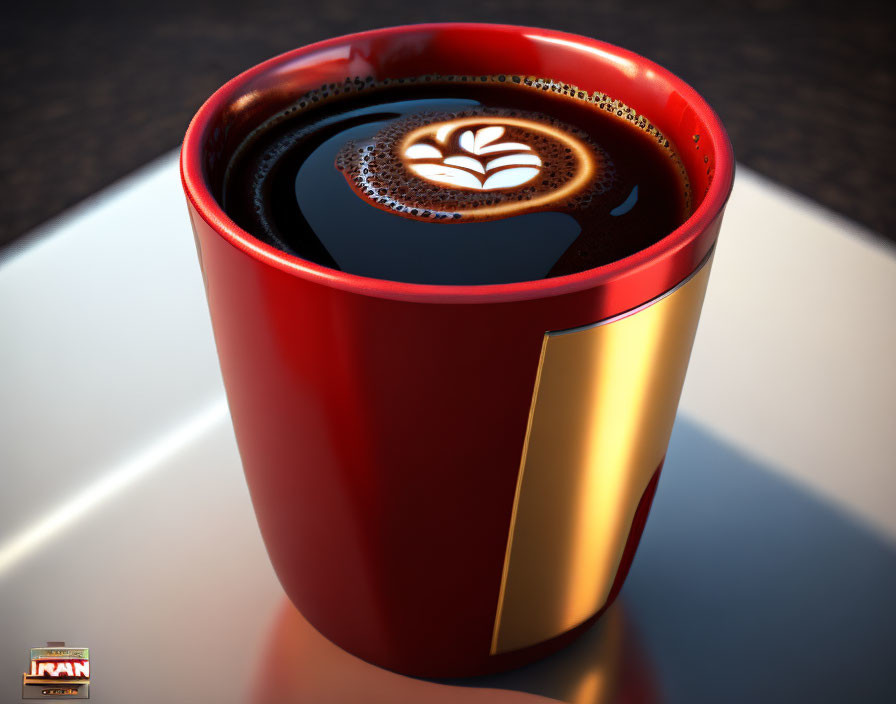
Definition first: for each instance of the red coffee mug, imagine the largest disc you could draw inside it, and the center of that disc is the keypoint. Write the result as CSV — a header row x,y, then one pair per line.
x,y
452,480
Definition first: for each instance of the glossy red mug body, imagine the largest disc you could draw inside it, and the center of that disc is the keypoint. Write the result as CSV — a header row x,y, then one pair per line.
x,y
452,480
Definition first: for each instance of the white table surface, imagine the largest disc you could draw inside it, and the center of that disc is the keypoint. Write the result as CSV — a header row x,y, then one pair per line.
x,y
120,469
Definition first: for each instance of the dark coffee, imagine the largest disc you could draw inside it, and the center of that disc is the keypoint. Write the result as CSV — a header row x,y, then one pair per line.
x,y
457,180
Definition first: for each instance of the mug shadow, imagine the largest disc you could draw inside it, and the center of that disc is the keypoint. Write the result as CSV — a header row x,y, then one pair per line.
x,y
606,664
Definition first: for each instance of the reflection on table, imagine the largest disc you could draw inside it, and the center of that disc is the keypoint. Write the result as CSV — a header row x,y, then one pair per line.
x,y
298,665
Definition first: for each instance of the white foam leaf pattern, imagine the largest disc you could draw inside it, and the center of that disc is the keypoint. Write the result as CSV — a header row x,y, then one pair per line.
x,y
486,135
463,171
466,162
511,160
422,151
476,145
504,147
467,142
447,174
508,178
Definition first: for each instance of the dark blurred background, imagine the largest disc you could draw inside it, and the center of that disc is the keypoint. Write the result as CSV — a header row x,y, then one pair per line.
x,y
91,92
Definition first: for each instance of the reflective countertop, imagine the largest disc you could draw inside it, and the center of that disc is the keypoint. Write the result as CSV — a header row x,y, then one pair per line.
x,y
767,568
745,589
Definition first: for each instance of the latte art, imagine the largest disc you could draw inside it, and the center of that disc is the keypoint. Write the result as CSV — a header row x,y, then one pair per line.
x,y
472,170
476,166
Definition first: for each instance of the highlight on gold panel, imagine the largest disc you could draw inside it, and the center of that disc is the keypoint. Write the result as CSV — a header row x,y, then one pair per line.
x,y
602,411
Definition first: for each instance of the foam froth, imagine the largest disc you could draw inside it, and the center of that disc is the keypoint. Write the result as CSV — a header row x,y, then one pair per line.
x,y
479,164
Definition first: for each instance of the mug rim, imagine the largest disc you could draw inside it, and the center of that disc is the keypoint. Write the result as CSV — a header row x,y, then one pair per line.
x,y
200,196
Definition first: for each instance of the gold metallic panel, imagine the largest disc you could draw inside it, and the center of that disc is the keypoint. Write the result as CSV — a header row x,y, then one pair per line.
x,y
602,411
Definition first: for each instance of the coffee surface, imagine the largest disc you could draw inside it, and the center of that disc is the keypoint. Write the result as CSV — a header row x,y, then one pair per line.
x,y
457,180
